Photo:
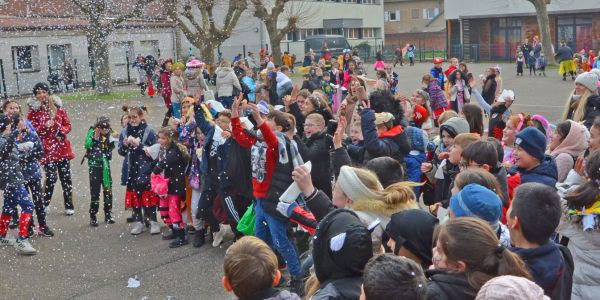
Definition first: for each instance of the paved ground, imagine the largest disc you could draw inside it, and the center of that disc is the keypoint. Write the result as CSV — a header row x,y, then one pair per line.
x,y
94,263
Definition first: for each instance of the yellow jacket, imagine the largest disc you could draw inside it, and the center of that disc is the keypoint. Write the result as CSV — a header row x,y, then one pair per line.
x,y
287,60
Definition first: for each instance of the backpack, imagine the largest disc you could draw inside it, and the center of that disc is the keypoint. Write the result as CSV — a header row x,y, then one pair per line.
x,y
564,284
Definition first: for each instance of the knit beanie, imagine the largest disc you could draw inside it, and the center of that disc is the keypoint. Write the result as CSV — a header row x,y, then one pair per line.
x,y
41,86
510,287
589,80
475,200
455,126
533,141
413,230
420,114
353,187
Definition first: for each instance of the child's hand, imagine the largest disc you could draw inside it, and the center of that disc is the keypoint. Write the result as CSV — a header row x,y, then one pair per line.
x,y
301,176
197,96
225,134
339,133
235,107
96,133
443,155
50,123
434,208
426,167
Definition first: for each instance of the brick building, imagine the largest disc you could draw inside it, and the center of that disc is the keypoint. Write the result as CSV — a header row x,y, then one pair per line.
x,y
492,30
418,22
37,37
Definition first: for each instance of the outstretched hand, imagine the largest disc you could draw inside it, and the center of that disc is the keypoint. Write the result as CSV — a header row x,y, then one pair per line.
x,y
235,108
338,136
301,176
256,114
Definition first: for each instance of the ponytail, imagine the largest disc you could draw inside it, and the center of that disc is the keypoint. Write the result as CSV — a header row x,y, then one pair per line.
x,y
588,193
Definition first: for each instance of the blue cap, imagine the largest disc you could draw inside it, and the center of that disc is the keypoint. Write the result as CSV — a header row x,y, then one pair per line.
x,y
475,200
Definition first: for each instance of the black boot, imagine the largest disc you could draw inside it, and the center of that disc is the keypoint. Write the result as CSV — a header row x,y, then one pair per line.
x,y
180,238
108,218
169,234
200,238
93,220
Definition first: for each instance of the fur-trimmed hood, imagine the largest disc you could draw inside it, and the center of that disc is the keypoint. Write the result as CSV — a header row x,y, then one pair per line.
x,y
35,104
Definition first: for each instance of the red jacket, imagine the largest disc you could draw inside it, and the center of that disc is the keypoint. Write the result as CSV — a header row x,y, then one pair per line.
x,y
54,139
264,166
165,80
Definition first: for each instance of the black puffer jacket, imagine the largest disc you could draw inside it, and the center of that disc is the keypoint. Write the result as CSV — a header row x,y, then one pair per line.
x,y
10,169
444,285
340,272
173,163
319,145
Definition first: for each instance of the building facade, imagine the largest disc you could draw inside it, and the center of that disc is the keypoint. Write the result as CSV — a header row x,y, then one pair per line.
x,y
37,39
360,21
494,30
417,22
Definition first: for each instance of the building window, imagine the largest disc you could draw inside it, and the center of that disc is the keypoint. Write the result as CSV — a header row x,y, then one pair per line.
x,y
430,13
352,33
368,1
392,16
415,13
26,58
333,31
369,33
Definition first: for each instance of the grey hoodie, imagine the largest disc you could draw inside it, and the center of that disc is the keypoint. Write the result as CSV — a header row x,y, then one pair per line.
x,y
194,81
226,80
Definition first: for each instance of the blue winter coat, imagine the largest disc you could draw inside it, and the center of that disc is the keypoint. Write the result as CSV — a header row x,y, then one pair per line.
x,y
438,73
10,169
30,167
222,152
545,173
139,166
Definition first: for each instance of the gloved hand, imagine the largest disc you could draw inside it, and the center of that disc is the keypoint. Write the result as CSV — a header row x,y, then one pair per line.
x,y
286,209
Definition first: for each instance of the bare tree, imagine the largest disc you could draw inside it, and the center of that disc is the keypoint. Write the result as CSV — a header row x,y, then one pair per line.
x,y
203,32
293,16
544,25
102,22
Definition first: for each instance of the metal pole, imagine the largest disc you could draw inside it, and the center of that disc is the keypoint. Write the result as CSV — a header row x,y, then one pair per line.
x,y
244,51
3,81
127,66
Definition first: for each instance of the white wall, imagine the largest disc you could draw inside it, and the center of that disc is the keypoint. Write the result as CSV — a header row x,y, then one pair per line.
x,y
78,43
454,9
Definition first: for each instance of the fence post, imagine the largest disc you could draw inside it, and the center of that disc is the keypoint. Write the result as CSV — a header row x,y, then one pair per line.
x,y
127,66
3,81
244,51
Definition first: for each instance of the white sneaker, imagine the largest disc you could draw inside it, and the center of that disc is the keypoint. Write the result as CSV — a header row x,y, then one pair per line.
x,y
69,212
138,228
25,248
218,236
154,227
6,241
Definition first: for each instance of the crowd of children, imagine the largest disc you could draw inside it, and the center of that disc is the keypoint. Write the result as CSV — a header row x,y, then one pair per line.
x,y
358,194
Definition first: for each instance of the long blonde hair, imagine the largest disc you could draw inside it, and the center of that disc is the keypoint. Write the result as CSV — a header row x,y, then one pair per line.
x,y
396,197
579,110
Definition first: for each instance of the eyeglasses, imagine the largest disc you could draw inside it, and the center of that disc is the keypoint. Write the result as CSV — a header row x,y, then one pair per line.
x,y
308,125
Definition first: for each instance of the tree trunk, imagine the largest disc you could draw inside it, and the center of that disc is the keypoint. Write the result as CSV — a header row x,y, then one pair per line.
x,y
544,24
102,74
276,50
208,55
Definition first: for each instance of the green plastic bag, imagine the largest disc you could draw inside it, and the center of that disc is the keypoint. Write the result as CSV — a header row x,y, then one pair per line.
x,y
246,224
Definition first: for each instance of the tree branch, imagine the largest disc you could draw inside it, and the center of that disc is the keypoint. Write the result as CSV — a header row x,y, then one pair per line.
x,y
81,6
139,6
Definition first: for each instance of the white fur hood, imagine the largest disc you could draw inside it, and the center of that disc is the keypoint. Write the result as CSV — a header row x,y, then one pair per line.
x,y
35,104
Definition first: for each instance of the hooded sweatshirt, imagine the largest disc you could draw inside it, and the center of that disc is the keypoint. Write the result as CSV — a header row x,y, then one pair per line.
x,y
413,230
226,80
569,149
341,249
544,263
545,173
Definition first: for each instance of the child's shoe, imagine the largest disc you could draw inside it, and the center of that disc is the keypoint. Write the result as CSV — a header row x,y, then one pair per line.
x,y
24,247
154,228
200,238
108,218
218,237
93,221
138,228
180,238
46,231
168,234
6,241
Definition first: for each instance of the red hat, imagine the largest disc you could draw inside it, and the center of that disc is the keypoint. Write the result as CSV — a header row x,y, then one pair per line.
x,y
420,114
437,60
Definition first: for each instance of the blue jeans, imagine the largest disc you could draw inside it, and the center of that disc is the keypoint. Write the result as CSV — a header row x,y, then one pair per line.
x,y
16,194
274,232
227,101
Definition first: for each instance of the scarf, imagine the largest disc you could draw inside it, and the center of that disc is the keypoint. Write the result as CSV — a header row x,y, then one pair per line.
x,y
283,154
